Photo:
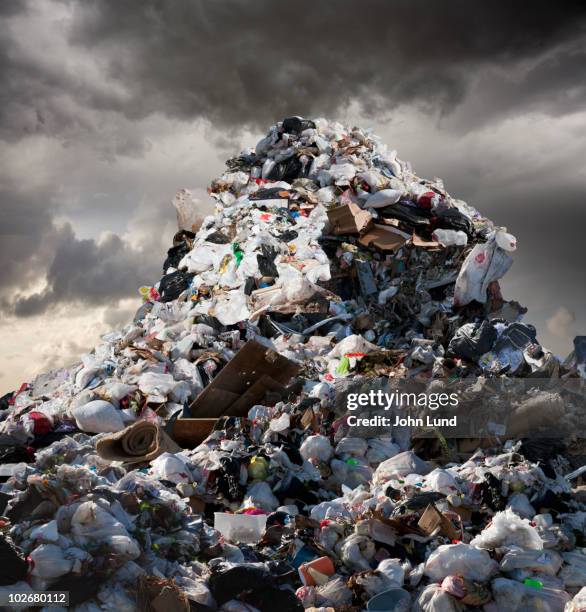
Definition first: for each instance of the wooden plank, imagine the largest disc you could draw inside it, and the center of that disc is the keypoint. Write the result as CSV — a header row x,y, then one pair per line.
x,y
253,396
249,365
188,433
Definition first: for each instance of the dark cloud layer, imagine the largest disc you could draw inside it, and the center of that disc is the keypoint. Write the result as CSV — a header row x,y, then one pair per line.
x,y
249,63
236,61
87,272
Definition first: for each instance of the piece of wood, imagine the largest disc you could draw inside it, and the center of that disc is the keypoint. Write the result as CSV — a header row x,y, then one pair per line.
x,y
238,377
189,433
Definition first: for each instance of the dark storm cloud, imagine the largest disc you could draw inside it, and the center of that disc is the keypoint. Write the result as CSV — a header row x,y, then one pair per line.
x,y
88,272
24,225
237,62
240,63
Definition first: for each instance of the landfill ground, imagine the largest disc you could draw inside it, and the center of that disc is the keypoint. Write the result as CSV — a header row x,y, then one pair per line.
x,y
324,404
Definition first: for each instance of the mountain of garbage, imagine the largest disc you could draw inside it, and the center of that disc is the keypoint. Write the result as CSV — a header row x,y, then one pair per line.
x,y
204,457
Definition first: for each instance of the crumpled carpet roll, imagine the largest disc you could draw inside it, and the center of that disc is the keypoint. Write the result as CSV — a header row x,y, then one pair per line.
x,y
141,441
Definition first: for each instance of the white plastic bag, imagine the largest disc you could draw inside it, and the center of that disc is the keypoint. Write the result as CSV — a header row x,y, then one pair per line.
x,y
399,466
380,449
356,447
461,559
450,237
352,344
92,522
357,551
317,448
123,546
574,571
513,596
508,529
382,198
578,604
156,384
485,262
171,467
49,562
46,533
434,599
441,481
231,308
519,503
98,416
542,561
260,495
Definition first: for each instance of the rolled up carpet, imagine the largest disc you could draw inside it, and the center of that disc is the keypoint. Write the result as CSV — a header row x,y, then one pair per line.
x,y
139,442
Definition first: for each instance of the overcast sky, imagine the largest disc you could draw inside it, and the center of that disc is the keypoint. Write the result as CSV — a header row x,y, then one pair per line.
x,y
107,108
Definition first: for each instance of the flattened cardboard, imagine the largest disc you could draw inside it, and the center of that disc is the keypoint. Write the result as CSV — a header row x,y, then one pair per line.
x,y
349,219
383,237
425,244
432,518
243,381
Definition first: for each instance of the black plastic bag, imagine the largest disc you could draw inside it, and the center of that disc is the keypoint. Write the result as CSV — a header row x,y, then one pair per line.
x,y
175,255
272,193
4,405
296,125
266,261
407,214
453,219
13,567
254,585
473,340
174,284
288,170
217,238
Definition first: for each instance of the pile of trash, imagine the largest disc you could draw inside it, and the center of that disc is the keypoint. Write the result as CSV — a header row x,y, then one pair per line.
x,y
202,457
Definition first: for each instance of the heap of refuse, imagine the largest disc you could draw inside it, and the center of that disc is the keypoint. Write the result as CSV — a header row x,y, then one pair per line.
x,y
202,458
